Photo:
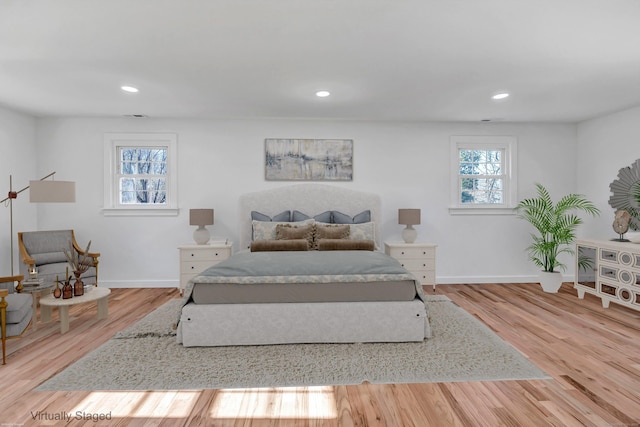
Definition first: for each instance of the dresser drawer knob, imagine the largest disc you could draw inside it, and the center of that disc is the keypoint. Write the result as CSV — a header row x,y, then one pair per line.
x,y
402,252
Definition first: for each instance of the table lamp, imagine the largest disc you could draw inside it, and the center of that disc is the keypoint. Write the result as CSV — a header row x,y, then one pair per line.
x,y
201,217
409,217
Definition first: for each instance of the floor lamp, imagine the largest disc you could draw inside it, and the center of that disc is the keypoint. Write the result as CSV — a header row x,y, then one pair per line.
x,y
42,191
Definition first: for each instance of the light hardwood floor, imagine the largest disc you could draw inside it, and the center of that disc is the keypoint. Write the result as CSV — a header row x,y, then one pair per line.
x,y
593,355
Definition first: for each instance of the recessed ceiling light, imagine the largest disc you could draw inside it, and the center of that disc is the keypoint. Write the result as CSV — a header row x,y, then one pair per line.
x,y
323,93
130,89
501,95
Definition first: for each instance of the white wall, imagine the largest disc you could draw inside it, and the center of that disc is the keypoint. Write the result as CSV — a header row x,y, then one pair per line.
x,y
607,144
18,159
406,163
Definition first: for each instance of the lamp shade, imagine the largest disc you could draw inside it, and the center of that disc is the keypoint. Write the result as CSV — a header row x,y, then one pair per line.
x,y
200,216
52,191
409,216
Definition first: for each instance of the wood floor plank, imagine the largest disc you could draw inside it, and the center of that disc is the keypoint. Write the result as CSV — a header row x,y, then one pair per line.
x,y
591,353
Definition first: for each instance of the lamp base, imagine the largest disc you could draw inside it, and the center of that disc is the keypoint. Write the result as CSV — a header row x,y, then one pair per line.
x,y
409,234
201,235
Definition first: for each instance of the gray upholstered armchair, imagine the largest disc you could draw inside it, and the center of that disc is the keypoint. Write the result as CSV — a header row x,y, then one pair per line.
x,y
44,250
16,311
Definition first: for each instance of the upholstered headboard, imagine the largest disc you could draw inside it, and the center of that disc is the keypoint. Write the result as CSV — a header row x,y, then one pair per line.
x,y
311,199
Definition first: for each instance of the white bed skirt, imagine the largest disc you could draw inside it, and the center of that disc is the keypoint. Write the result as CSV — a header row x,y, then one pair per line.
x,y
207,325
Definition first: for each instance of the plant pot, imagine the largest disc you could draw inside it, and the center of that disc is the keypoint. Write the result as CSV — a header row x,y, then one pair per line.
x,y
550,281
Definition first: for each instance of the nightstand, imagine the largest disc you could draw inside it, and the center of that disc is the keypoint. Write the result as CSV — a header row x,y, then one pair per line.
x,y
418,258
194,259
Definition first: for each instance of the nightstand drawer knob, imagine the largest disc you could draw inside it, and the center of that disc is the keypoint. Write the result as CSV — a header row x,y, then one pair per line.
x,y
402,252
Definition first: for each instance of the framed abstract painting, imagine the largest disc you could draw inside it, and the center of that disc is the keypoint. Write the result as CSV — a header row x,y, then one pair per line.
x,y
308,159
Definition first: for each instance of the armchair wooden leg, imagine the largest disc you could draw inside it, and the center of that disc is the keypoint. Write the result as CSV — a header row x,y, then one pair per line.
x,y
3,322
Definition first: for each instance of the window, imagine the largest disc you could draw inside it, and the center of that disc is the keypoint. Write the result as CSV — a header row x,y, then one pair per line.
x,y
140,174
483,179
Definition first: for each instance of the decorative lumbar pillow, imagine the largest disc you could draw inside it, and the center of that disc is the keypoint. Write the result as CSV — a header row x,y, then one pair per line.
x,y
284,216
293,232
341,218
279,245
332,231
345,245
322,217
266,230
365,231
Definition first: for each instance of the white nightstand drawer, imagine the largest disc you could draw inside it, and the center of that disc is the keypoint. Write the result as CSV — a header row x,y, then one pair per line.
x,y
196,266
416,264
399,253
204,254
426,277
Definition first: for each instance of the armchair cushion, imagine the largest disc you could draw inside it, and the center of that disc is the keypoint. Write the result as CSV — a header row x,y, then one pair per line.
x,y
49,257
19,306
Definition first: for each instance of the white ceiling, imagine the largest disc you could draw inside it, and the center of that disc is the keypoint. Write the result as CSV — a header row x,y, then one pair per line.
x,y
432,60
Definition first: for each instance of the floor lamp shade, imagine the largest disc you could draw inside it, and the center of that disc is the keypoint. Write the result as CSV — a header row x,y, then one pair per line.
x,y
201,217
52,191
409,217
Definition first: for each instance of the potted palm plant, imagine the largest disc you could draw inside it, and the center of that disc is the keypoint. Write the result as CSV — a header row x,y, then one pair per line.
x,y
556,226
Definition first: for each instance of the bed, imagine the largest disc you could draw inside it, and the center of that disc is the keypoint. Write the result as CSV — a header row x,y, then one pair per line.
x,y
348,293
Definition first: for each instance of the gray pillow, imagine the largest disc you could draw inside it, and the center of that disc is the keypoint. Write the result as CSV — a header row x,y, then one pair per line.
x,y
284,216
323,217
341,218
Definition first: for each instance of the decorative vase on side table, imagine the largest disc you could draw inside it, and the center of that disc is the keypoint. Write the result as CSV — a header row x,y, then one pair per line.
x,y
78,286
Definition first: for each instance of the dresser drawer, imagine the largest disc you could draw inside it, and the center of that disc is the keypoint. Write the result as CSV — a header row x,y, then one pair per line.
x,y
399,253
416,264
196,267
209,254
426,277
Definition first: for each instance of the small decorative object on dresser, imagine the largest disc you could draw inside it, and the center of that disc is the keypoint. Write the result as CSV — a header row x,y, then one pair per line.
x,y
621,224
418,258
409,217
196,258
609,270
201,217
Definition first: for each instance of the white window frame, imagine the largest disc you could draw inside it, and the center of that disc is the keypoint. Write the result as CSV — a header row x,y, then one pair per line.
x,y
112,144
509,145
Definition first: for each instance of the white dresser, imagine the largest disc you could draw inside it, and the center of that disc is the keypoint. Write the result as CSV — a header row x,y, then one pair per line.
x,y
612,271
196,258
418,258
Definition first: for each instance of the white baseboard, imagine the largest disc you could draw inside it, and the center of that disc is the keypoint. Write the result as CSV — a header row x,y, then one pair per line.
x,y
455,280
139,283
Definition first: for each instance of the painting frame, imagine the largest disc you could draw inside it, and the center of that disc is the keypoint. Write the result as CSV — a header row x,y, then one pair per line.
x,y
299,159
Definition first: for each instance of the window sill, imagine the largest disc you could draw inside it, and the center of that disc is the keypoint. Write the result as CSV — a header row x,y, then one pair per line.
x,y
140,211
484,210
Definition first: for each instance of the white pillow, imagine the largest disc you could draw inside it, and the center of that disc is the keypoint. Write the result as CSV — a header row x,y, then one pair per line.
x,y
266,230
364,231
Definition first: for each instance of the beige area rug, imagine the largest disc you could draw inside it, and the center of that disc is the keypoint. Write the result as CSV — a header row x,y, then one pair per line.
x,y
147,357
